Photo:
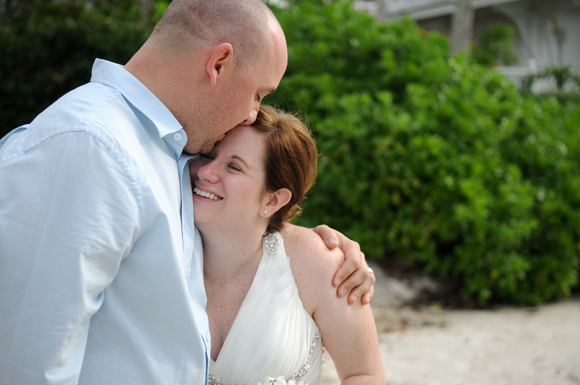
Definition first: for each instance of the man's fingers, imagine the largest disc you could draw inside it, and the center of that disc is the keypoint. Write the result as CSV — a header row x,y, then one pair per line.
x,y
350,265
328,235
357,278
362,290
366,298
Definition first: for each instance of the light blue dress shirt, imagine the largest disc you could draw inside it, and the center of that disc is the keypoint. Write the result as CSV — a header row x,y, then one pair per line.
x,y
101,273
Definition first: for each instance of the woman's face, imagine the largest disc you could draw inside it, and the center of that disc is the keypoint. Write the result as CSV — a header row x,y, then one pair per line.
x,y
228,183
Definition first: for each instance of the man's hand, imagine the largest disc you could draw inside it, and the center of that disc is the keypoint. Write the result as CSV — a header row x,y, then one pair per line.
x,y
353,276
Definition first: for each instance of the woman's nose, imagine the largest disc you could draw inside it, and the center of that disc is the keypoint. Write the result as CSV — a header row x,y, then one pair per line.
x,y
208,172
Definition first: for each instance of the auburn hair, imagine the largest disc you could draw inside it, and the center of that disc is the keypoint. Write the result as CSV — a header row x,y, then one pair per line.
x,y
290,160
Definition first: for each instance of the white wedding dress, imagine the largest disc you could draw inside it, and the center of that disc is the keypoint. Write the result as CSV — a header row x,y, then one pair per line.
x,y
272,335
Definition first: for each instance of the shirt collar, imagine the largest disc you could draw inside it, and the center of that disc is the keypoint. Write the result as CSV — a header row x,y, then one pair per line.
x,y
139,96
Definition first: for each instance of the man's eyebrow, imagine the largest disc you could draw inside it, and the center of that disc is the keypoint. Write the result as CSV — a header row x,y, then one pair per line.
x,y
240,159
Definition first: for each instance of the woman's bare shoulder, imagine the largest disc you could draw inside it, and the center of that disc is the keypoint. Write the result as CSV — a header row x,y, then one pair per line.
x,y
305,245
313,264
352,342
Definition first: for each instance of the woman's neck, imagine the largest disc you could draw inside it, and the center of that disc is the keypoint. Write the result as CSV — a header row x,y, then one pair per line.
x,y
230,261
228,254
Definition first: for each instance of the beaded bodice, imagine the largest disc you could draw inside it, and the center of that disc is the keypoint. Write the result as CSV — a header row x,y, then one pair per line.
x,y
296,377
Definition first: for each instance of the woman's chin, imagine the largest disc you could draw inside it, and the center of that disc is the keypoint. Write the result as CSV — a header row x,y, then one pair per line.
x,y
200,220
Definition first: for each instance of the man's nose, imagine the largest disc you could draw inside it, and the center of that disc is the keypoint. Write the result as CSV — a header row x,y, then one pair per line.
x,y
252,117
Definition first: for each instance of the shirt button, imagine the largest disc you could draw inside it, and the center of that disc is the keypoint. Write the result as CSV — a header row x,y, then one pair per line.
x,y
177,137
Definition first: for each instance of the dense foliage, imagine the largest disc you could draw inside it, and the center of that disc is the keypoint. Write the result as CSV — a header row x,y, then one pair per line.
x,y
434,159
495,46
424,157
48,48
566,80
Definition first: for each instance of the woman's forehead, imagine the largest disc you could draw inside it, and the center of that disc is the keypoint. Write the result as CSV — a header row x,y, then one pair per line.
x,y
242,136
245,142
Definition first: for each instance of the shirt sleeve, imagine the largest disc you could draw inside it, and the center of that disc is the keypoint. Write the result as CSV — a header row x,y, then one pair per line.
x,y
69,214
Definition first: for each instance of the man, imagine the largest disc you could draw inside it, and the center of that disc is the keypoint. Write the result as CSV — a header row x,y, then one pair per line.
x,y
100,267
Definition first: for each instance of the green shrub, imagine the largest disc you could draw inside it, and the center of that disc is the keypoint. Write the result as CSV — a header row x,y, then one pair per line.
x,y
48,49
424,157
567,83
495,46
427,157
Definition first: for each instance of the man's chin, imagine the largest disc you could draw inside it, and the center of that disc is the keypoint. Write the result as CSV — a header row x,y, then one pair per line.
x,y
193,148
206,148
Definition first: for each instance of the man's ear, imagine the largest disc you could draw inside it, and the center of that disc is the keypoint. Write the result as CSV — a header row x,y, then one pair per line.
x,y
274,201
222,57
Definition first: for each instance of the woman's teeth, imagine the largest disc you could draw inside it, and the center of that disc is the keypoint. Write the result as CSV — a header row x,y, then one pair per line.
x,y
206,194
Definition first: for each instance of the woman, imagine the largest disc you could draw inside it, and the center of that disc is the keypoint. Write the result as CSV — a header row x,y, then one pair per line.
x,y
272,308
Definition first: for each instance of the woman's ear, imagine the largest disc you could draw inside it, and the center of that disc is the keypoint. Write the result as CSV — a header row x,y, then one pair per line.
x,y
222,57
275,201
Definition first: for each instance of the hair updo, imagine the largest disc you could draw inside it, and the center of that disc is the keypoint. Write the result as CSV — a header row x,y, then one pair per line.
x,y
290,160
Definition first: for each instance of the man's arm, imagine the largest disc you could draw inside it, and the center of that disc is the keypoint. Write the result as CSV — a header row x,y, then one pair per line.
x,y
68,216
353,276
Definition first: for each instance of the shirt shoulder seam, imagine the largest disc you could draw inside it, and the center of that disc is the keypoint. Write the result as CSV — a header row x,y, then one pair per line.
x,y
114,152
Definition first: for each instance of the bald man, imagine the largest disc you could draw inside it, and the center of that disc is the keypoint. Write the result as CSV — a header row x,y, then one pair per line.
x,y
100,264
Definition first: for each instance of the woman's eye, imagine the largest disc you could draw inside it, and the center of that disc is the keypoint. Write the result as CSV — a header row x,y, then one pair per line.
x,y
259,98
234,167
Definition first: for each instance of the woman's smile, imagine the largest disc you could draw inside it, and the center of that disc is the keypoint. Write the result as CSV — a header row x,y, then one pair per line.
x,y
232,176
206,194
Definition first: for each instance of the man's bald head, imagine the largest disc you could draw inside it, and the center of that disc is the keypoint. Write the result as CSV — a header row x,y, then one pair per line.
x,y
187,24
211,62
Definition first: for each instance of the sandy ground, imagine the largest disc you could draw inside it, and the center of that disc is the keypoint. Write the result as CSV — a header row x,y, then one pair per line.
x,y
507,346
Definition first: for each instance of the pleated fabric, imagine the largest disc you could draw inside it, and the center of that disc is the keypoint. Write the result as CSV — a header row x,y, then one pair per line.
x,y
272,335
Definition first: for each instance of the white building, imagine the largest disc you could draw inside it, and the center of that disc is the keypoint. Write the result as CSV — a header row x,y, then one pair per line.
x,y
548,31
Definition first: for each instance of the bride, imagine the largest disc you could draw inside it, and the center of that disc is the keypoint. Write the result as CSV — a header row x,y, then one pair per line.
x,y
271,305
